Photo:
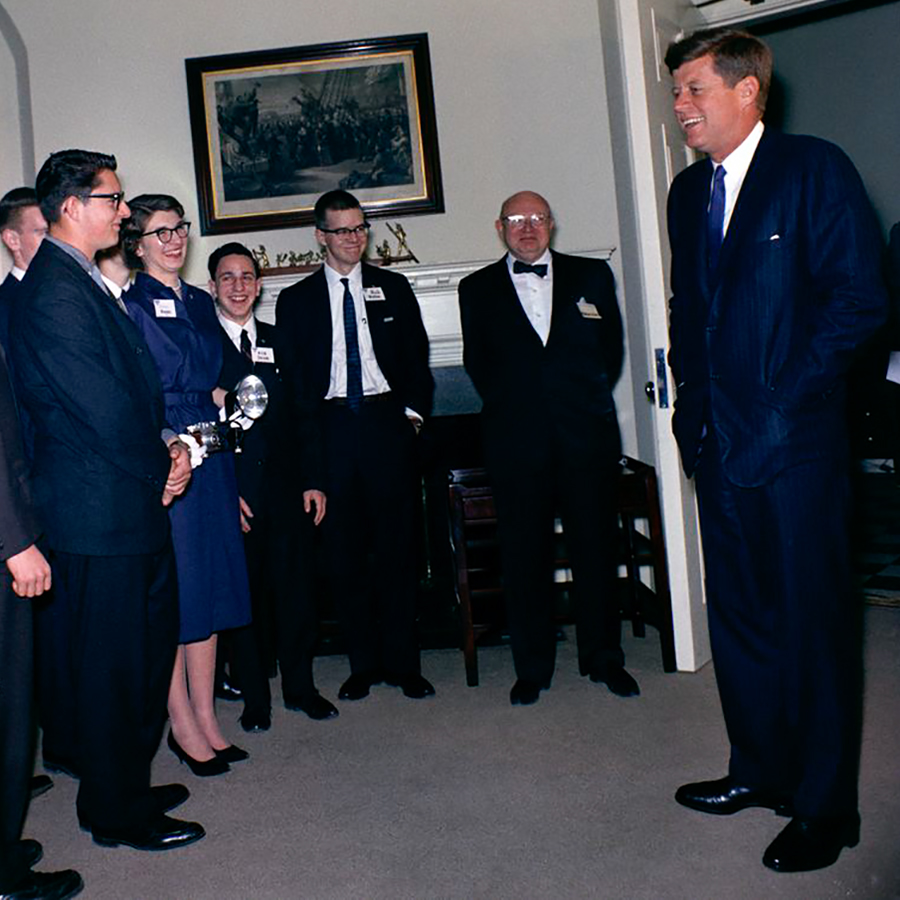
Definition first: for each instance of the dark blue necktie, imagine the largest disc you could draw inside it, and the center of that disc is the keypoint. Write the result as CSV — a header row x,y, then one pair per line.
x,y
715,220
354,364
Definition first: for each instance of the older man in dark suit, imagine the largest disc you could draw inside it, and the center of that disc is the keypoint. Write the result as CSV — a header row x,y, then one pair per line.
x,y
543,346
278,541
102,478
354,354
776,284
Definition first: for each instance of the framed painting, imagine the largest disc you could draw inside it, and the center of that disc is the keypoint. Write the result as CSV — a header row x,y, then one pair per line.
x,y
274,129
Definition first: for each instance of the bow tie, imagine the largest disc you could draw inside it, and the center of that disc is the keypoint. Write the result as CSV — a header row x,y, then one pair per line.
x,y
519,267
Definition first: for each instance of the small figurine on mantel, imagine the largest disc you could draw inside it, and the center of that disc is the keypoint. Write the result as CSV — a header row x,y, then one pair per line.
x,y
261,257
403,251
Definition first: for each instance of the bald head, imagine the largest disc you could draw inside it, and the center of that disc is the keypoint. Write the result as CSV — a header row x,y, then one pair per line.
x,y
525,225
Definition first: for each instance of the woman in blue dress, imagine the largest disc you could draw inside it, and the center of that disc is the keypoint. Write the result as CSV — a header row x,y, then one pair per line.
x,y
179,323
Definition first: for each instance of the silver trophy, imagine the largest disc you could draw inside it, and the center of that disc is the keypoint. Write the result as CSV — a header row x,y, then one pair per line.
x,y
243,406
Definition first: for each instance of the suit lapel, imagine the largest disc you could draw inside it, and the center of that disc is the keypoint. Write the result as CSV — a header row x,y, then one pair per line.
x,y
509,308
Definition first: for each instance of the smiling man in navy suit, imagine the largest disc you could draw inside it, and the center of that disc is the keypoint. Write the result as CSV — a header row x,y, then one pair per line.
x,y
543,346
775,287
354,354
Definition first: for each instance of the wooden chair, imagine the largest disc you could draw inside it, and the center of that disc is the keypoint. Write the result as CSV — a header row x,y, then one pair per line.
x,y
473,535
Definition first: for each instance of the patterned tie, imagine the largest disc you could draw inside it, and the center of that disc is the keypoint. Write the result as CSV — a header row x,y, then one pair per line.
x,y
715,220
354,365
246,348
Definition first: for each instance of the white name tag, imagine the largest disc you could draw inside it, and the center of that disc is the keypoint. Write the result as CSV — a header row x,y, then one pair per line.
x,y
263,355
165,308
588,310
373,293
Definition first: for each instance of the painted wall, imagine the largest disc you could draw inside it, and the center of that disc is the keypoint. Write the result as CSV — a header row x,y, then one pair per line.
x,y
839,77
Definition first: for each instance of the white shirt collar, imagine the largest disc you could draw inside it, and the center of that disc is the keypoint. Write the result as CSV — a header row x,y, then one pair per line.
x,y
333,277
18,273
544,259
233,329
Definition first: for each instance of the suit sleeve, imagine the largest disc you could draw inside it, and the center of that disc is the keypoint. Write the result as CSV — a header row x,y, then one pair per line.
x,y
843,253
418,386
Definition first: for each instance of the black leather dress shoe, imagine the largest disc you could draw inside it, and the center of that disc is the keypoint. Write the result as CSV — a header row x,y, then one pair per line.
x,y
39,784
315,706
808,844
616,679
168,796
46,886
160,833
255,721
32,851
413,686
225,690
524,693
724,797
357,686
60,766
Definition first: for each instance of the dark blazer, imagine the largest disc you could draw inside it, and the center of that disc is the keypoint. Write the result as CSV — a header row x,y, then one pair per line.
x,y
8,290
85,375
527,387
263,465
303,315
765,341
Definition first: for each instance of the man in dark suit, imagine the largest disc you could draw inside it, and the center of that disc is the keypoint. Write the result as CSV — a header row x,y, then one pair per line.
x,y
278,541
25,575
102,477
543,346
354,354
22,228
764,325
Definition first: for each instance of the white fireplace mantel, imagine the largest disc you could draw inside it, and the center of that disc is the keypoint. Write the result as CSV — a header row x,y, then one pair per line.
x,y
435,288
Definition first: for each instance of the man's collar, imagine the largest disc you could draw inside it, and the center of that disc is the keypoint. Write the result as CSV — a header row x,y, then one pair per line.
x,y
332,276
17,273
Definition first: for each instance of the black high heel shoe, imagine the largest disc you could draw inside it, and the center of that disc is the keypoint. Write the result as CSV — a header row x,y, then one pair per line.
x,y
214,766
231,754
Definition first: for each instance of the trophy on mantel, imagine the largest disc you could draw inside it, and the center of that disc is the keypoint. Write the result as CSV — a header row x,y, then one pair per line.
x,y
243,406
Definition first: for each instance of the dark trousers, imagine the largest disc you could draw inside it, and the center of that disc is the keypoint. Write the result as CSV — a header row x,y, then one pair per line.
x,y
529,494
16,734
369,533
785,629
122,618
279,552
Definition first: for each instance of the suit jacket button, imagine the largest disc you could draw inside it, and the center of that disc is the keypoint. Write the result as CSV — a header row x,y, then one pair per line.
x,y
138,351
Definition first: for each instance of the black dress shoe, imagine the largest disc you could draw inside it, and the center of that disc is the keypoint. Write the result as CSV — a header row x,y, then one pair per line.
x,y
32,852
46,886
168,796
315,706
524,693
202,769
413,686
357,686
60,766
724,797
616,679
160,833
255,721
39,784
225,690
808,844
231,754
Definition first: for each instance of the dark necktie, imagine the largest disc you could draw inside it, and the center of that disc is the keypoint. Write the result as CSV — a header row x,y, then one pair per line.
x,y
354,365
520,267
715,220
246,349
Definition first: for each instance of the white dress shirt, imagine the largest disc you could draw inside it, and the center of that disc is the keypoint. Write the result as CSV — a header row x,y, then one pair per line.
x,y
736,165
535,294
233,330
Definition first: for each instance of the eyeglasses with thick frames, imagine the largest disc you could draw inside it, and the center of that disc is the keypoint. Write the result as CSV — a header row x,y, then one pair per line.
x,y
182,229
359,231
535,220
116,198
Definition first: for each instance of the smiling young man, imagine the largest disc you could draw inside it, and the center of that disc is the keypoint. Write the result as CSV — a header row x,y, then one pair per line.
x,y
776,285
278,541
354,354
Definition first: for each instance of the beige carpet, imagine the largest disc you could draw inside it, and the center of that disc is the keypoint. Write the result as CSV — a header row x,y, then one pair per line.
x,y
463,796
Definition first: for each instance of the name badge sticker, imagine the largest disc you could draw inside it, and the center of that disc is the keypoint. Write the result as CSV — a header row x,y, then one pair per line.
x,y
164,308
373,293
263,355
588,310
